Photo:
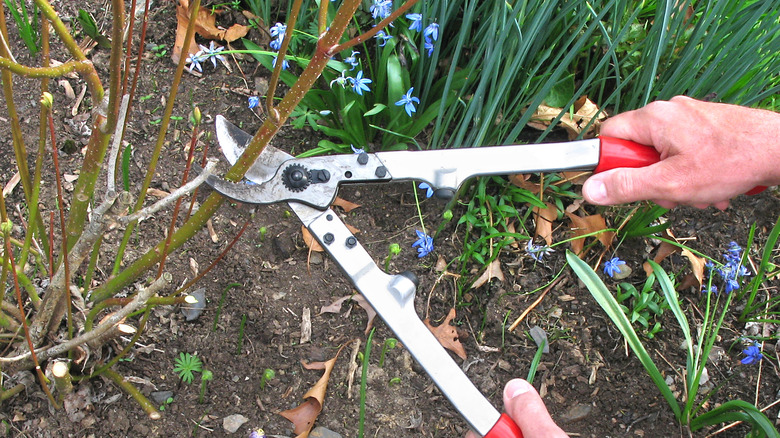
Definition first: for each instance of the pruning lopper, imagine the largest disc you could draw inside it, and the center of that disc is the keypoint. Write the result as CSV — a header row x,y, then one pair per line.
x,y
309,186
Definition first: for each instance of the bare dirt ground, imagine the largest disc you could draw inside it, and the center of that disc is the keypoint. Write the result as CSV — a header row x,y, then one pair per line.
x,y
592,387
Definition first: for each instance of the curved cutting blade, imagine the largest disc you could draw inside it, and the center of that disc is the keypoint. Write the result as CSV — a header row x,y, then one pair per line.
x,y
233,142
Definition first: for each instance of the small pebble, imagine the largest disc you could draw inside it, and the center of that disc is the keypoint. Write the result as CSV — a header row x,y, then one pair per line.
x,y
231,423
577,413
321,432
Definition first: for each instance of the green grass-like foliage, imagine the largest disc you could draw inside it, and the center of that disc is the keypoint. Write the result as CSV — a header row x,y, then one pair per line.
x,y
756,308
26,23
186,365
642,306
687,414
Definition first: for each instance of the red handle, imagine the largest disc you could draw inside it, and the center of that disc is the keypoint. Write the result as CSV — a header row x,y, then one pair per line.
x,y
505,428
616,152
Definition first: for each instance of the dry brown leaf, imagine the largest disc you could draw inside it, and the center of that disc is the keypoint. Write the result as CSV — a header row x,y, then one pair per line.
x,y
584,111
586,225
205,26
310,241
11,184
521,180
447,335
510,228
493,270
335,307
304,416
345,205
544,219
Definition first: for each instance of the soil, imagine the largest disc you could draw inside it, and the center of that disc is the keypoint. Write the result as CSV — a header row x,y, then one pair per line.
x,y
257,294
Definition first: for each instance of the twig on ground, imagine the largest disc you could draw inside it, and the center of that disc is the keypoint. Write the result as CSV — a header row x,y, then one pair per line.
x,y
535,303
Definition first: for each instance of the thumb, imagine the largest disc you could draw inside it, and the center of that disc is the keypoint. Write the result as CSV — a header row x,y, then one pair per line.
x,y
624,185
525,406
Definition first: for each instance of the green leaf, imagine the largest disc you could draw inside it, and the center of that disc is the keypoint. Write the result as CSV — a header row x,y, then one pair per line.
x,y
378,108
561,93
607,302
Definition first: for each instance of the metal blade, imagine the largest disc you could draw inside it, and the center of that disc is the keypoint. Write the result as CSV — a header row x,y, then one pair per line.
x,y
233,142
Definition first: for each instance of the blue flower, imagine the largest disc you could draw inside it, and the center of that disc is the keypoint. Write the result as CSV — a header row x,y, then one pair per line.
x,y
357,150
416,20
431,32
408,101
428,189
278,30
275,44
285,64
382,38
195,60
352,60
537,251
360,84
612,266
424,244
341,80
254,101
752,354
212,53
381,9
429,47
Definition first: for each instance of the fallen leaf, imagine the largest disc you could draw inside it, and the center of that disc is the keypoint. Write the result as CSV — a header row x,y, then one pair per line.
x,y
205,26
305,326
583,225
310,241
335,307
493,270
521,180
585,111
345,205
11,184
304,416
544,219
447,335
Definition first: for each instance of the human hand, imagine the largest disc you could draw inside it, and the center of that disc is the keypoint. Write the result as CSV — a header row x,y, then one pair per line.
x,y
526,408
710,152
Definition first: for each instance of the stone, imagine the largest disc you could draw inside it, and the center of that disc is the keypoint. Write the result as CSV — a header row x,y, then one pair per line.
x,y
321,432
576,413
231,423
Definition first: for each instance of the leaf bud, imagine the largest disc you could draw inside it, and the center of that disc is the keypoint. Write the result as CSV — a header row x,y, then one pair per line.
x,y
6,226
47,99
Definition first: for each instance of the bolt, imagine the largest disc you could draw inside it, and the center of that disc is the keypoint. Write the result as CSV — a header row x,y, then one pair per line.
x,y
380,172
328,238
363,158
351,242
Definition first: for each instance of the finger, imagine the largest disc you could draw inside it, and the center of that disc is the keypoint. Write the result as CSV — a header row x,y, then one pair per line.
x,y
639,125
620,186
525,406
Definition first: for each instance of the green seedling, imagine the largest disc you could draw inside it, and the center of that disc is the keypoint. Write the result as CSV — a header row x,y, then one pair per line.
x,y
389,344
159,50
91,29
263,232
166,403
643,306
27,23
204,379
267,376
392,251
186,365
394,381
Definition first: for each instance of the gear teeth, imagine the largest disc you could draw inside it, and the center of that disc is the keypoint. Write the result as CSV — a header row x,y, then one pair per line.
x,y
296,177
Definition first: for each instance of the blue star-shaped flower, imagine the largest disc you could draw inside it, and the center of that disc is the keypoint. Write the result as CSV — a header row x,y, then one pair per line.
x,y
278,30
612,266
195,61
360,84
429,47
428,189
432,32
752,354
212,52
537,251
408,101
380,9
416,20
285,64
382,38
424,244
254,101
352,60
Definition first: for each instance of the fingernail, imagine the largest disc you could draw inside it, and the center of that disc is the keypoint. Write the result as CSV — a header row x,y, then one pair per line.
x,y
516,388
597,191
